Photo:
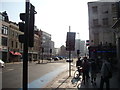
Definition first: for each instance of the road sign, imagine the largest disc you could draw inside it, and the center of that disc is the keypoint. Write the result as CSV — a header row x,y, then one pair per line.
x,y
70,42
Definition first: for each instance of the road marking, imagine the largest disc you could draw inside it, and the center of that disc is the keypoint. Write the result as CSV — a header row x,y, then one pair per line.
x,y
42,81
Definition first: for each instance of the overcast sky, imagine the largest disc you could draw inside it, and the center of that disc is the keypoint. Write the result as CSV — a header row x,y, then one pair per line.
x,y
54,16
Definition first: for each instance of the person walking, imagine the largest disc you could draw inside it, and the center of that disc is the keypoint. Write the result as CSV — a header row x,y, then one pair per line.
x,y
78,65
105,72
85,69
93,71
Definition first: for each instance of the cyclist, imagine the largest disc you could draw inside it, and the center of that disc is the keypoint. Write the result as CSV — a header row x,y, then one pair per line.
x,y
78,65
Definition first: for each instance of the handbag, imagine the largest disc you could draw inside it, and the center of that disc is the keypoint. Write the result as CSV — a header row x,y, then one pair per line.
x,y
109,73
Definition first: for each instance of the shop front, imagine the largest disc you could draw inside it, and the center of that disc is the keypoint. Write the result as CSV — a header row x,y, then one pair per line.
x,y
14,56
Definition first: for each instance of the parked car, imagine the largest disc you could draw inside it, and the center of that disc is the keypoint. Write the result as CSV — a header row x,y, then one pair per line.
x,y
56,58
60,58
69,60
2,64
49,58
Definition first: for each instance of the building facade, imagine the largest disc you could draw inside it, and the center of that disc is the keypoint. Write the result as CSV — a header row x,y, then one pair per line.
x,y
10,48
4,27
45,44
15,48
102,15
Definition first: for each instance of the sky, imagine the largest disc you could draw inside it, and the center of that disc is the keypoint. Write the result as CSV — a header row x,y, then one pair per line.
x,y
54,17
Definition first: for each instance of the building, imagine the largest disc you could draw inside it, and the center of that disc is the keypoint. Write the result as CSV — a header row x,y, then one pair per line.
x,y
116,27
79,45
102,15
52,48
63,52
15,48
45,44
10,48
4,27
83,48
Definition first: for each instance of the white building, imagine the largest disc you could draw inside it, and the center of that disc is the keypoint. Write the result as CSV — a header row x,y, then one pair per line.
x,y
101,18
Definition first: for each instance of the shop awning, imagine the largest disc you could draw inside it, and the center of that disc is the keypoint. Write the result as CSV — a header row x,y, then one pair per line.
x,y
17,53
12,52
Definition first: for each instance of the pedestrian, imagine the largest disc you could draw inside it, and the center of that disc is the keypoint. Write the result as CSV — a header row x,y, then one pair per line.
x,y
85,69
105,72
93,71
78,65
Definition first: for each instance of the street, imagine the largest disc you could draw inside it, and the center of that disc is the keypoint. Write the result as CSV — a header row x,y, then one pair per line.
x,y
44,73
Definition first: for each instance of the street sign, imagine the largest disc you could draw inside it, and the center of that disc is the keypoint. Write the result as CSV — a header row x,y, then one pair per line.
x,y
70,42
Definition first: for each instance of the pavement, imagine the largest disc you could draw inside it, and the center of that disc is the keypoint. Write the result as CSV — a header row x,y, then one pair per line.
x,y
64,81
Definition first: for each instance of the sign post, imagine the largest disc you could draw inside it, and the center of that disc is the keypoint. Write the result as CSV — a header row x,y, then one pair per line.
x,y
70,46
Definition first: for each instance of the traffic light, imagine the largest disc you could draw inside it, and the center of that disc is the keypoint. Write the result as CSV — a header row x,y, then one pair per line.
x,y
22,27
78,52
42,50
118,9
30,22
50,50
87,43
31,26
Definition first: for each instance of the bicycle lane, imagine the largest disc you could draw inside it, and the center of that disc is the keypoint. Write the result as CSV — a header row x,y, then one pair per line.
x,y
42,81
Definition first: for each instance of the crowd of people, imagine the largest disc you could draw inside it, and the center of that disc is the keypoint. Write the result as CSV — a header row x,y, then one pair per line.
x,y
90,69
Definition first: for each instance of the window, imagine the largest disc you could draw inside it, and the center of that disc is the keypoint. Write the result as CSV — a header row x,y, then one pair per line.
x,y
95,22
94,9
4,30
113,8
12,33
16,35
12,43
16,44
105,21
2,17
4,41
104,9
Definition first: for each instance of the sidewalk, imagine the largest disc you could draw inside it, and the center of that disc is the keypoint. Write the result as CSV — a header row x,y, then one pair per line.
x,y
64,81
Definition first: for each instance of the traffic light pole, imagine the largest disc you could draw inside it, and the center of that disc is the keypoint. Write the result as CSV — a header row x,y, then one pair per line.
x,y
25,49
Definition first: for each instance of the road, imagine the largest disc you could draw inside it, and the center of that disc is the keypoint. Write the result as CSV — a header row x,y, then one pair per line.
x,y
38,74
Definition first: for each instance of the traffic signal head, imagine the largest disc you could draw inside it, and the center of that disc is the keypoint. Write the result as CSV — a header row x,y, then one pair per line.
x,y
118,9
22,27
21,38
78,52
22,16
42,50
27,22
50,50
31,26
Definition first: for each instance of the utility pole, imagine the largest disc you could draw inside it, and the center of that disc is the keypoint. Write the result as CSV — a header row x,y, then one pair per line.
x,y
70,46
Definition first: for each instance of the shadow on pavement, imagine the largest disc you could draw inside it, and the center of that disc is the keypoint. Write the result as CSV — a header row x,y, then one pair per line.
x,y
63,82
